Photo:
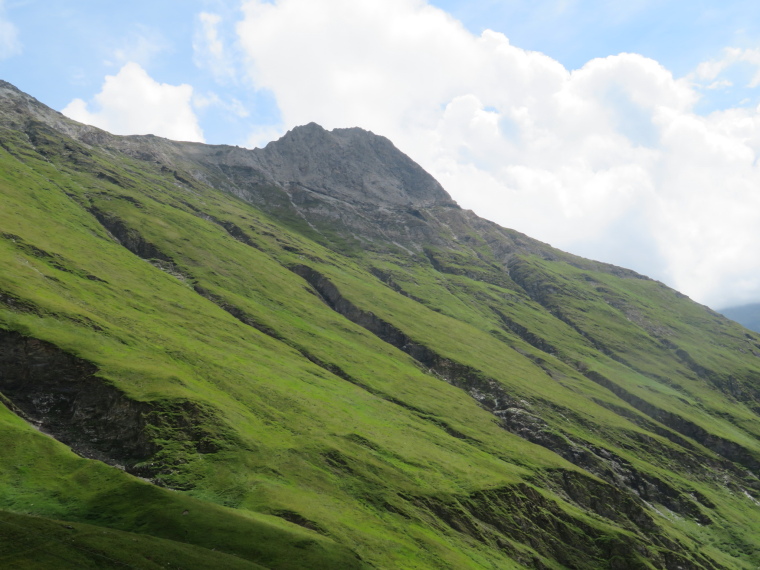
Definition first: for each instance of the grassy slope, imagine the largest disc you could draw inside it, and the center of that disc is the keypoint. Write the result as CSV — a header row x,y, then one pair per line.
x,y
295,436
631,329
168,342
40,476
34,542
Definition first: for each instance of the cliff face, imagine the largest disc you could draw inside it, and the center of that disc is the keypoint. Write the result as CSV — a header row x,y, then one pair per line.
x,y
333,366
350,164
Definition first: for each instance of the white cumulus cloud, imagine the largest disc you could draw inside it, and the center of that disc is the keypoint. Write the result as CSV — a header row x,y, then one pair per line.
x,y
610,161
131,102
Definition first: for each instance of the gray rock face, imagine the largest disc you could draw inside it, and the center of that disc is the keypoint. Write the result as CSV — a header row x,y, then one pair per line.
x,y
62,395
350,164
348,184
16,108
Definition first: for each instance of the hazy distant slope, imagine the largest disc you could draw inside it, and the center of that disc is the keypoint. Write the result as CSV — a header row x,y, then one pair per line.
x,y
330,380
746,315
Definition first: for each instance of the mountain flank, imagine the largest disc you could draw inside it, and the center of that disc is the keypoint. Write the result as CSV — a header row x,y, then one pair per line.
x,y
309,356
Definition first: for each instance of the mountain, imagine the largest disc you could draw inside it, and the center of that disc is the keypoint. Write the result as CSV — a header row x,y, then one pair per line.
x,y
746,315
309,356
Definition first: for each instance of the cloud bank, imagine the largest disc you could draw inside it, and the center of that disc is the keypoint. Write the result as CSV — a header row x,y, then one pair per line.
x,y
131,102
610,161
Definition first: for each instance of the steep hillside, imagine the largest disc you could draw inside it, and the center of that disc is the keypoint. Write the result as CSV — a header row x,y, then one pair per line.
x,y
308,356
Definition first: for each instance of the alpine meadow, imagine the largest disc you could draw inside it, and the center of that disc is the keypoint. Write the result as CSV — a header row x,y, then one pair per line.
x,y
308,356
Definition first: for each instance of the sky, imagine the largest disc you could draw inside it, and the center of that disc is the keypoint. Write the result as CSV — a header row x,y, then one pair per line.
x,y
627,132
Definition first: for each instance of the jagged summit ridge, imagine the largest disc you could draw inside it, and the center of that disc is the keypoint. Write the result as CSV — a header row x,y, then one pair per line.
x,y
348,182
349,164
352,164
17,107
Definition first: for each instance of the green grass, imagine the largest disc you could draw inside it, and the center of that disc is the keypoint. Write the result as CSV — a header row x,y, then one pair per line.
x,y
35,542
353,457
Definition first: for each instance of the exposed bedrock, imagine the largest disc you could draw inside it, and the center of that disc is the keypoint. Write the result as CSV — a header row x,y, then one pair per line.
x,y
63,396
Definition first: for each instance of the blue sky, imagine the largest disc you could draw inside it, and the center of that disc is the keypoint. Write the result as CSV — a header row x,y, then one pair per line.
x,y
680,34
523,110
68,46
677,33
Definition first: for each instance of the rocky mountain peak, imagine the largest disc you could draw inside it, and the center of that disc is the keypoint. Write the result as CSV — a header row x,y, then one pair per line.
x,y
350,164
18,108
